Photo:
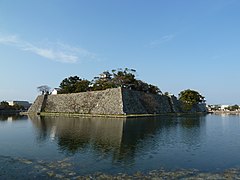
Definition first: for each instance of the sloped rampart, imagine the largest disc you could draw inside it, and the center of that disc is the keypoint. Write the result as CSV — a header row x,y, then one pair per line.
x,y
116,101
95,102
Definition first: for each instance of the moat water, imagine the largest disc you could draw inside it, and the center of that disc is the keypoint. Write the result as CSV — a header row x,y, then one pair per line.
x,y
71,147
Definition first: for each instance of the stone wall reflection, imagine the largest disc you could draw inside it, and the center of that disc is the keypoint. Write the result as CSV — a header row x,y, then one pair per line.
x,y
73,134
124,137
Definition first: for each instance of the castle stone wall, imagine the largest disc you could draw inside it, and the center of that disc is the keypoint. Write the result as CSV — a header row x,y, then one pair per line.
x,y
95,102
37,105
136,102
116,101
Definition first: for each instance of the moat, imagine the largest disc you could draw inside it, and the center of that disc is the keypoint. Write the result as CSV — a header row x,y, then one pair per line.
x,y
58,147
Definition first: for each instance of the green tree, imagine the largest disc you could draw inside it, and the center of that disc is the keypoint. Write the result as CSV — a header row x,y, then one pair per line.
x,y
166,93
102,85
4,105
82,85
189,98
140,86
44,89
233,108
68,85
104,81
154,89
17,107
124,78
74,84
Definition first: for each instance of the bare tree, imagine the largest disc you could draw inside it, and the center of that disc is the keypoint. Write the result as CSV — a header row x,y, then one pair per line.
x,y
44,89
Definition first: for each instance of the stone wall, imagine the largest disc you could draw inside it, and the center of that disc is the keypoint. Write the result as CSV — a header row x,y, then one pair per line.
x,y
95,102
176,104
117,101
38,104
136,102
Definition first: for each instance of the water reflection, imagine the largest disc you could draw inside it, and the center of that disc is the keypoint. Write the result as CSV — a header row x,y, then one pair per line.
x,y
74,134
208,143
12,117
124,137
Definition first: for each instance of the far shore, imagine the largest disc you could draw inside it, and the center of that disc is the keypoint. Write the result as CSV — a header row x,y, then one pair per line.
x,y
224,112
11,112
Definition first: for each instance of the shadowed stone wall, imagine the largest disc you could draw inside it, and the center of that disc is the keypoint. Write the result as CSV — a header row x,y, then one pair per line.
x,y
136,102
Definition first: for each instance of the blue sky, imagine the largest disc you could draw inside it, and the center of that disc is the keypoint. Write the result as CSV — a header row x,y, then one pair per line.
x,y
174,44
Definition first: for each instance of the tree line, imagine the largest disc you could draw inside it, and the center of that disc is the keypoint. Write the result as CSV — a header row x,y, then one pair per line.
x,y
4,105
125,78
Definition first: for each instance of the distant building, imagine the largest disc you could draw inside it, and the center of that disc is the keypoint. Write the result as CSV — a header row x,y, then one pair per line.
x,y
25,104
55,91
105,75
224,107
216,107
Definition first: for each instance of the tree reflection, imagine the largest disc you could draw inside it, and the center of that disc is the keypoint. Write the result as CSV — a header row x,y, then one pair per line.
x,y
3,117
121,137
192,130
13,117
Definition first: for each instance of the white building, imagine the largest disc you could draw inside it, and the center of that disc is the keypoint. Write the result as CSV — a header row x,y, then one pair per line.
x,y
25,104
105,75
224,107
55,91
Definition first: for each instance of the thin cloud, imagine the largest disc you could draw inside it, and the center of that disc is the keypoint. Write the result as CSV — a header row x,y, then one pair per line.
x,y
8,39
56,54
162,40
53,51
